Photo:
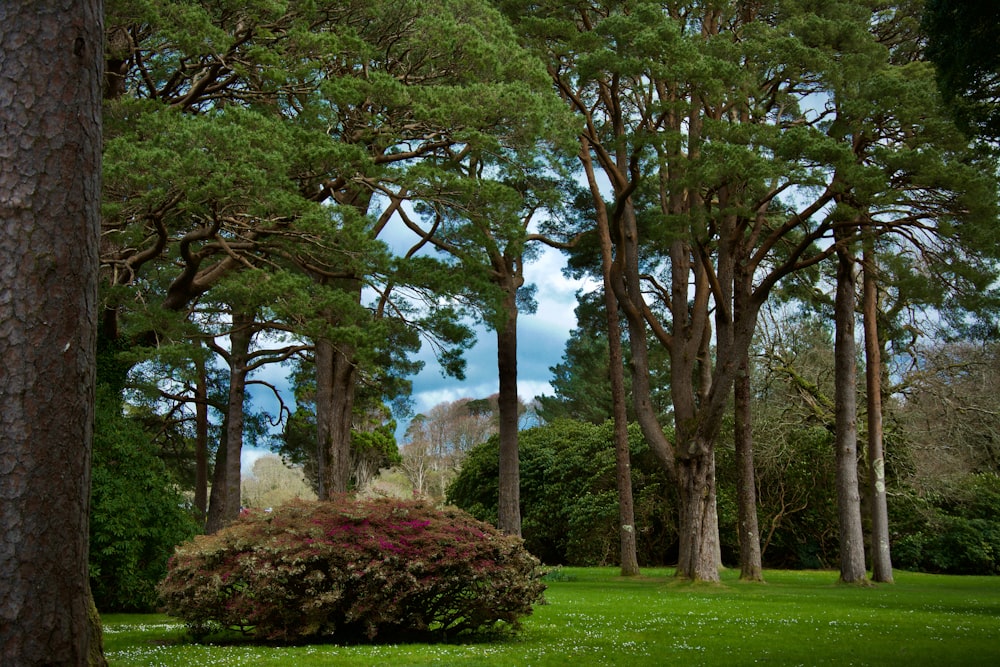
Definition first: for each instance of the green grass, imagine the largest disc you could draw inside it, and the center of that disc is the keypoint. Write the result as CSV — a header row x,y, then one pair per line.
x,y
595,617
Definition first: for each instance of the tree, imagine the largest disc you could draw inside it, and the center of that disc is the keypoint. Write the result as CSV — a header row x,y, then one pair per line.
x,y
49,206
964,43
272,483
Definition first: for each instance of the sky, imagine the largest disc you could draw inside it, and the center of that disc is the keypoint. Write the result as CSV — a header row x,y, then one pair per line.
x,y
541,343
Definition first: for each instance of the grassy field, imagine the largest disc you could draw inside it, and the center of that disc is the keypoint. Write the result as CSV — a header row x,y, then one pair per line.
x,y
594,617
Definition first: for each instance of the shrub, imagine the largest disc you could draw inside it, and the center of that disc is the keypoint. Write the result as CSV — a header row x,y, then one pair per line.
x,y
569,501
137,515
380,568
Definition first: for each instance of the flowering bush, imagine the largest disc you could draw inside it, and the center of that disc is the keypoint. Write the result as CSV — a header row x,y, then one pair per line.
x,y
352,570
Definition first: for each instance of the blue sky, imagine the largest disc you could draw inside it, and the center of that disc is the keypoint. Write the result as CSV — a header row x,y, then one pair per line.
x,y
541,343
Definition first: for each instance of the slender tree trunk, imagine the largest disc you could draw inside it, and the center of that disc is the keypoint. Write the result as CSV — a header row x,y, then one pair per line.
x,y
881,557
201,442
623,462
51,61
751,568
215,517
510,475
616,371
239,353
852,549
324,413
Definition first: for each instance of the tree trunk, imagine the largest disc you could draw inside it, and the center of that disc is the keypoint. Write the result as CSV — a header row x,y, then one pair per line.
x,y
509,510
616,372
50,165
852,548
334,414
623,462
698,524
881,558
324,413
239,352
201,442
214,519
746,485
341,407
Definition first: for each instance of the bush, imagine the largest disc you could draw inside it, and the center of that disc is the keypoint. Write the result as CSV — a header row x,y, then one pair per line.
x,y
380,568
137,515
569,499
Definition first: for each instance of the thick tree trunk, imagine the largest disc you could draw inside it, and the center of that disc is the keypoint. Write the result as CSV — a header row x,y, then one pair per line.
x,y
746,485
341,406
852,548
698,523
51,60
509,510
334,414
881,557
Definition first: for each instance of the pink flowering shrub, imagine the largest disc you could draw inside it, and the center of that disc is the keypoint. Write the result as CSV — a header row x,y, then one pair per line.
x,y
352,570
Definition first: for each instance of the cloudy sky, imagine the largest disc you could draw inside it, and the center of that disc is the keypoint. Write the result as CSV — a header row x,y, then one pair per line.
x,y
541,343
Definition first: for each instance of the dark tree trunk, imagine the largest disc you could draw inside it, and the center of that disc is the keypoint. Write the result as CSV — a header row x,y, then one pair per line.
x,y
509,511
751,568
324,413
623,461
201,442
616,373
224,503
214,519
334,410
51,60
852,548
239,353
341,406
881,557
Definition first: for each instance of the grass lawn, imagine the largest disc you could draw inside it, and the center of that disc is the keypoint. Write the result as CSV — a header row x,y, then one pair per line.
x,y
595,617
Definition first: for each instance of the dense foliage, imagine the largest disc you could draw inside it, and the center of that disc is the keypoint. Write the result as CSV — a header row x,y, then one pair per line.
x,y
377,569
569,505
137,515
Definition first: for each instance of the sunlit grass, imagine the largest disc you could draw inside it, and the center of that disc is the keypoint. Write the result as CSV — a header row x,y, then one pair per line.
x,y
595,617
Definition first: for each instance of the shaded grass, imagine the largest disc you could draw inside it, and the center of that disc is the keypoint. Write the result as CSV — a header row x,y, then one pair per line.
x,y
595,617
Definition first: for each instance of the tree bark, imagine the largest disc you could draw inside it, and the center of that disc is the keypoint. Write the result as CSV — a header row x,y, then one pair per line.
x,y
852,549
881,557
51,60
334,412
239,353
509,510
201,441
751,568
341,407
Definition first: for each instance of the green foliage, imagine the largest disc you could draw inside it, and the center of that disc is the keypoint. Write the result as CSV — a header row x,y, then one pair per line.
x,y
569,506
137,515
955,530
964,43
352,570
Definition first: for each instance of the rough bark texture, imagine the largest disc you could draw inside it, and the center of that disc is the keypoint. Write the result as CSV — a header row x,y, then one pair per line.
x,y
852,547
509,511
50,156
881,556
338,453
334,409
